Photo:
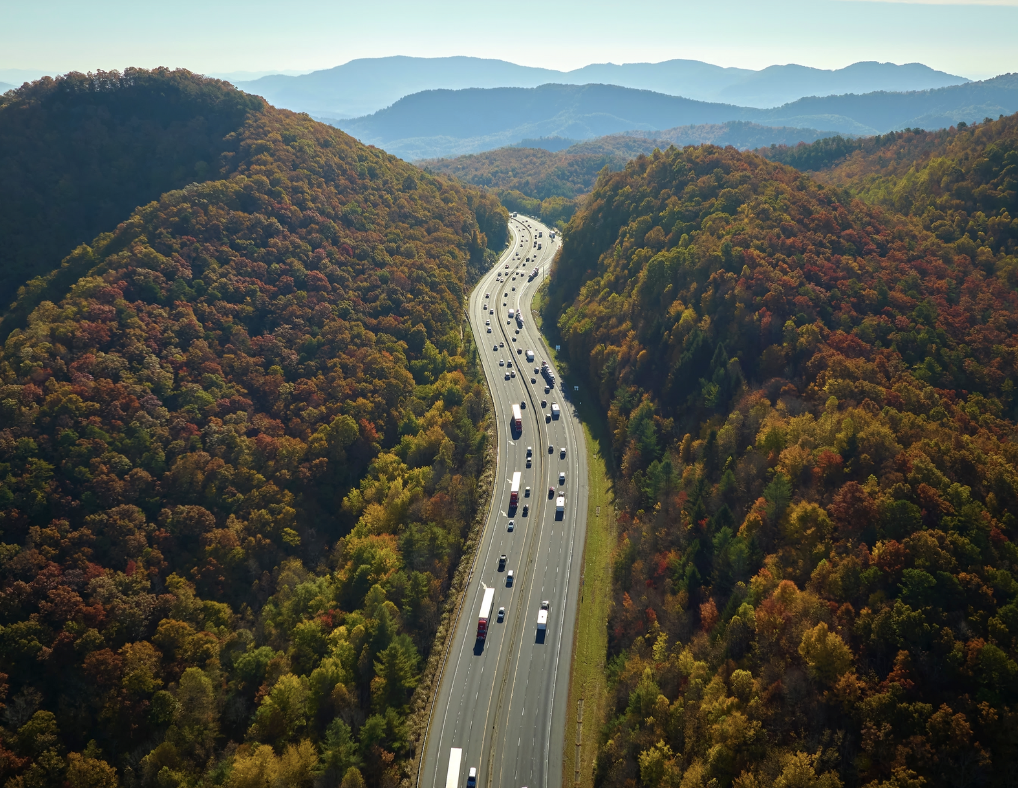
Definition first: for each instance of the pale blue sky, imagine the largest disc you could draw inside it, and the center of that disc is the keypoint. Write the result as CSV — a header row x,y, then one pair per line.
x,y
975,40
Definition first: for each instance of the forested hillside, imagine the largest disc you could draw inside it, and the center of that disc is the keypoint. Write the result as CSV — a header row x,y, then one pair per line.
x,y
79,153
811,404
532,180
238,461
961,183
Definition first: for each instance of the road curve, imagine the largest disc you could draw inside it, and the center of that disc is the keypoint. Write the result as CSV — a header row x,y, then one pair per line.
x,y
502,700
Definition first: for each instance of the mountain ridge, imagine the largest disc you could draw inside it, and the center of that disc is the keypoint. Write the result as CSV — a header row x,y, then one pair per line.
x,y
366,85
437,123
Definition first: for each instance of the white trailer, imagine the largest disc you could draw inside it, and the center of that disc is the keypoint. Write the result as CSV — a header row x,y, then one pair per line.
x,y
542,619
530,356
555,412
452,778
560,505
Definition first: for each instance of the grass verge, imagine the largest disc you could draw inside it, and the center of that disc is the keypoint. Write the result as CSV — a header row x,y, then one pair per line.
x,y
588,689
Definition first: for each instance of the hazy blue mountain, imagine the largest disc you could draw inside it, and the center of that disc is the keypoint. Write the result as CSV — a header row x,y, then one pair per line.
x,y
4,87
876,113
441,123
369,84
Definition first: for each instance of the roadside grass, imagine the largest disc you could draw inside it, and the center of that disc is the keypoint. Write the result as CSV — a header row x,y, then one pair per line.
x,y
588,688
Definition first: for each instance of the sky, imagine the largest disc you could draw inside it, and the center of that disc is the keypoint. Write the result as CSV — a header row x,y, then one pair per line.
x,y
971,39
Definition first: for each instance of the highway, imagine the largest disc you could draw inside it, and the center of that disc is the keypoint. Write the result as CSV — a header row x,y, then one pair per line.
x,y
503,700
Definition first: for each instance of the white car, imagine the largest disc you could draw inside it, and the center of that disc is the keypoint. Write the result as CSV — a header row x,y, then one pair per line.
x,y
501,613
507,376
501,362
512,526
489,329
562,452
562,477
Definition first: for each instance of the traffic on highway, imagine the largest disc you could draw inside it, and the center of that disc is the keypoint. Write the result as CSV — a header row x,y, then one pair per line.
x,y
499,717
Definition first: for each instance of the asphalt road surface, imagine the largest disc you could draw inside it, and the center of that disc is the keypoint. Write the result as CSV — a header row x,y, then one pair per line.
x,y
502,700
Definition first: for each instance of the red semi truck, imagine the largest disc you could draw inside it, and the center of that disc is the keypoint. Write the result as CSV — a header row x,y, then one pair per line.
x,y
514,491
485,614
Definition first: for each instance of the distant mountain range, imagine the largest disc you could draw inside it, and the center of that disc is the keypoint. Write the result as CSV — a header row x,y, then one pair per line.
x,y
438,123
363,86
4,87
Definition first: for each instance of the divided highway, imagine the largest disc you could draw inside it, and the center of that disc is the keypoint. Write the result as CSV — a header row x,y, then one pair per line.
x,y
501,706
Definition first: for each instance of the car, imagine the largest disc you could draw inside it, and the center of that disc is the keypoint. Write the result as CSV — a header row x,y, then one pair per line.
x,y
512,526
514,338
545,605
509,364
562,477
495,348
526,509
544,403
491,311
489,329
519,351
513,375
529,462
501,344
523,404
533,380
547,418
507,375
501,613
472,777
551,492
547,389
562,452
509,578
526,492
501,562
501,362
530,451
486,295
506,295
551,449
514,286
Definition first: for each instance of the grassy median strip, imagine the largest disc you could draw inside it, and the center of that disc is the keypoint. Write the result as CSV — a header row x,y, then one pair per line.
x,y
588,691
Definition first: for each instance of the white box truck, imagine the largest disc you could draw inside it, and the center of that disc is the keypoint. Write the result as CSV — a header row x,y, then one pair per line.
x,y
530,356
555,412
542,619
560,505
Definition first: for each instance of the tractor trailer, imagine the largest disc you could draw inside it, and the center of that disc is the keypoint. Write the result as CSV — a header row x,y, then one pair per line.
x,y
514,491
485,615
518,417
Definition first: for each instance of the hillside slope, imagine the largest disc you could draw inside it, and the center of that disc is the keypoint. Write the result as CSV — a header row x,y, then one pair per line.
x,y
961,183
238,461
79,153
811,405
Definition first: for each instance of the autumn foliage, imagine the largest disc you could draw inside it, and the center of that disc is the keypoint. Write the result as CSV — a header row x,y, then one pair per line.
x,y
812,411
239,456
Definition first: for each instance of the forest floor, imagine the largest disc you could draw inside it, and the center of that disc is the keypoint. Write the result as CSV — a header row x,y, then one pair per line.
x,y
588,690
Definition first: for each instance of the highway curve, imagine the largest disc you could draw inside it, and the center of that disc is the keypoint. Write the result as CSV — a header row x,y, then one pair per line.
x,y
502,700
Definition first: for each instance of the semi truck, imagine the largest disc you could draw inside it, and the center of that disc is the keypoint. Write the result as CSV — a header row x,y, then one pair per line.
x,y
452,778
519,320
518,417
514,491
555,412
485,615
542,619
560,505
547,373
